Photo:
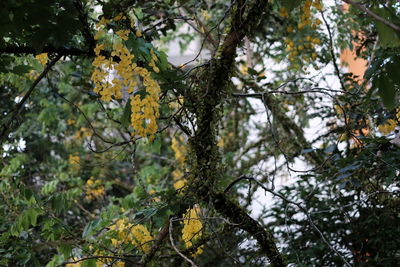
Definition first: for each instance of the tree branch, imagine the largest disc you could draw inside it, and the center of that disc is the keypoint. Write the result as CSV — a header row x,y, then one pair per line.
x,y
14,114
239,216
361,7
211,90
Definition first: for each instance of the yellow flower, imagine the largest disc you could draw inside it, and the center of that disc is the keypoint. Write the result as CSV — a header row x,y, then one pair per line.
x,y
145,111
73,160
387,127
283,12
398,114
221,142
192,228
243,69
118,17
205,14
94,189
141,237
180,150
179,184
43,58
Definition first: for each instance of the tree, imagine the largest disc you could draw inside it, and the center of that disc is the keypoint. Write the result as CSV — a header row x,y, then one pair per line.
x,y
113,156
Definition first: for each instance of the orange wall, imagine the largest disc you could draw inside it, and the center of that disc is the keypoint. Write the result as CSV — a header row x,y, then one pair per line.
x,y
349,59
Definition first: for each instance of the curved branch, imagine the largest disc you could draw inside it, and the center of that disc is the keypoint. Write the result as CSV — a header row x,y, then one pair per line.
x,y
239,216
359,6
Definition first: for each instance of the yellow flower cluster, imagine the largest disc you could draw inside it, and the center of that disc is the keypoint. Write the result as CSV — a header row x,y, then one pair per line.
x,y
205,14
153,61
177,103
192,228
306,17
82,133
94,189
308,44
387,127
180,156
127,232
145,109
43,58
74,162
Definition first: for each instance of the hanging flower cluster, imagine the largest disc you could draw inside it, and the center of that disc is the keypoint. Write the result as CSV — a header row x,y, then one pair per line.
x,y
192,228
180,156
304,42
127,232
111,78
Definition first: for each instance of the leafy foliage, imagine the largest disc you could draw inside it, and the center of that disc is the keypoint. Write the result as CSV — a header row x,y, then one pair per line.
x,y
114,153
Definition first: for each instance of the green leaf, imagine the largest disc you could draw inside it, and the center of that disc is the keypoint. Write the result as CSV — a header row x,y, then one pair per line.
x,y
386,91
252,71
393,69
32,215
49,187
163,61
289,5
387,36
139,13
21,69
126,116
156,145
89,263
90,227
65,249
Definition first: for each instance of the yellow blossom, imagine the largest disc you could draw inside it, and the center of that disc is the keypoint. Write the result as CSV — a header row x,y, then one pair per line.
x,y
43,58
180,150
283,12
118,17
94,189
119,264
73,160
145,110
192,228
398,114
205,14
387,127
141,237
221,142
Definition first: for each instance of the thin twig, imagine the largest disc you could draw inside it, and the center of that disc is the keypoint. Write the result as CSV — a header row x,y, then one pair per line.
x,y
175,248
